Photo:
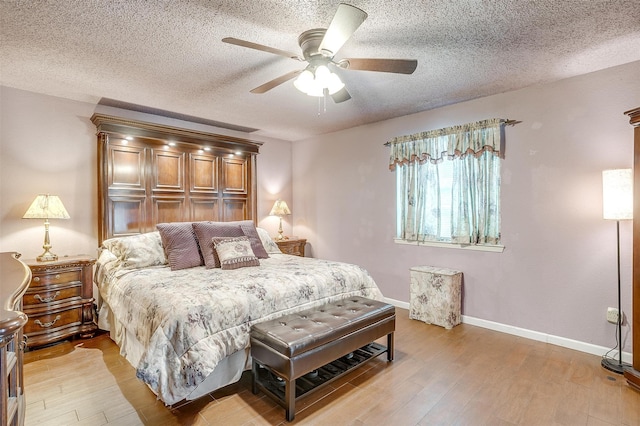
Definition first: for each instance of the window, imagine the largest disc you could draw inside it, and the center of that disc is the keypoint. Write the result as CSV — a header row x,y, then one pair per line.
x,y
441,223
448,184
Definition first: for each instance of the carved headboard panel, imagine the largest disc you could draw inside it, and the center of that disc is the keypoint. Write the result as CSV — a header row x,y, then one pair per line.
x,y
150,173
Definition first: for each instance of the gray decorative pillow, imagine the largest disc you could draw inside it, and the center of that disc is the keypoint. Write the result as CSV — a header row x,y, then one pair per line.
x,y
234,252
180,245
249,229
205,231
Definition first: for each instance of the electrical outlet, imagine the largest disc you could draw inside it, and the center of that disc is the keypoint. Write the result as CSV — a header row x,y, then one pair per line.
x,y
612,315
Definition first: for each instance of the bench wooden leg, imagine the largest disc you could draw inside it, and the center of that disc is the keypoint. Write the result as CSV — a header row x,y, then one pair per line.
x,y
254,377
390,347
290,399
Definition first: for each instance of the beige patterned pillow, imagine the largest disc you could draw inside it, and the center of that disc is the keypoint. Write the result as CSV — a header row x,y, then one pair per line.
x,y
137,251
267,242
234,252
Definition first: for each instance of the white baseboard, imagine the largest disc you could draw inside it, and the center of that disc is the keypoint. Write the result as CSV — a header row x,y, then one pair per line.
x,y
533,335
397,303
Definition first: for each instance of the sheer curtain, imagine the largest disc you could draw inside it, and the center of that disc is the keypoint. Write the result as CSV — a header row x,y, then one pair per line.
x,y
473,217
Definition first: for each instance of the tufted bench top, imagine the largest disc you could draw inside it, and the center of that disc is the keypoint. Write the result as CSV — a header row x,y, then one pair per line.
x,y
300,332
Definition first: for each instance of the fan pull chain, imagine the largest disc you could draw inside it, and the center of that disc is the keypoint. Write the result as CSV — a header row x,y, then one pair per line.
x,y
322,102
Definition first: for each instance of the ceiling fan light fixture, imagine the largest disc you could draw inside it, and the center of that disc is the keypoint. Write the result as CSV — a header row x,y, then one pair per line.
x,y
335,84
322,74
316,91
304,81
314,82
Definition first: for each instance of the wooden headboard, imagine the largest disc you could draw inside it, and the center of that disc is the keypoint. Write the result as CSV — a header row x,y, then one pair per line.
x,y
150,173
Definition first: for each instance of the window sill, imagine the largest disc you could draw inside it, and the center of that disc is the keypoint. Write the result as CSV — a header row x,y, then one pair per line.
x,y
489,248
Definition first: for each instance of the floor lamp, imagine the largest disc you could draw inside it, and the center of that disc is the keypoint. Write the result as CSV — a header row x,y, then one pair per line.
x,y
617,204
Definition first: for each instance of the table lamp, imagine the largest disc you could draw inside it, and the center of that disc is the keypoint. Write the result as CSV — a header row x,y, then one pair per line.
x,y
280,209
46,207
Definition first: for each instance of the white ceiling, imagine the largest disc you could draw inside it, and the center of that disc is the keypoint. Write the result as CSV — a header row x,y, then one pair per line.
x,y
168,54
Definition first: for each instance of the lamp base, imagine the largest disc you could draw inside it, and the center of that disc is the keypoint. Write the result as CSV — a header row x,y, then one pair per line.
x,y
614,365
280,235
47,256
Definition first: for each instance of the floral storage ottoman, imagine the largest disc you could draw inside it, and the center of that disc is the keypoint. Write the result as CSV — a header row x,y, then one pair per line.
x,y
435,295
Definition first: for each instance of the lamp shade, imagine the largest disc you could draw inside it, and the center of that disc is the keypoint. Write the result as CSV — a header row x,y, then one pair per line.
x,y
46,206
617,194
280,208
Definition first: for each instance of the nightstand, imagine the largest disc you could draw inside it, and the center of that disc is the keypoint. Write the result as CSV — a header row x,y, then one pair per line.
x,y
59,300
294,246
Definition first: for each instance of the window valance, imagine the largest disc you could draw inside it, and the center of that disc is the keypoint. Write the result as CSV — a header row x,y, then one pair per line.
x,y
450,142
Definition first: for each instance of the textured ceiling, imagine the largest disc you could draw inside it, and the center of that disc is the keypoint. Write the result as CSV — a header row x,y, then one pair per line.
x,y
168,55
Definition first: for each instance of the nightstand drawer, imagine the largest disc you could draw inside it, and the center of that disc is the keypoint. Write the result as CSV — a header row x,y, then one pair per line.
x,y
52,294
53,278
294,250
53,321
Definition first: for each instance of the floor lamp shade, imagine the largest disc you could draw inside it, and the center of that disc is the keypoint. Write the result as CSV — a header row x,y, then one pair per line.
x,y
46,207
617,204
617,194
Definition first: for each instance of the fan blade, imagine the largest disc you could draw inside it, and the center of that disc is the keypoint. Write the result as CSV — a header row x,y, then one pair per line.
x,y
262,47
399,66
276,82
341,96
345,22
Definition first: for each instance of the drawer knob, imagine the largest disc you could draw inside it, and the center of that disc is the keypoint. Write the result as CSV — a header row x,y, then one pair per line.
x,y
36,279
47,324
47,299
57,276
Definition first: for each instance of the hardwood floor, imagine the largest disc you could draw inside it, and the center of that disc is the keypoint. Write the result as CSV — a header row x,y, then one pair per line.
x,y
465,376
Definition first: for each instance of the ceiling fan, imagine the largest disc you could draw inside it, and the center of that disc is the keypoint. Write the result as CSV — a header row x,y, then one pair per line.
x,y
319,47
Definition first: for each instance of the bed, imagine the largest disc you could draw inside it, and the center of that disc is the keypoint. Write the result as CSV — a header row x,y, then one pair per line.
x,y
187,331
182,315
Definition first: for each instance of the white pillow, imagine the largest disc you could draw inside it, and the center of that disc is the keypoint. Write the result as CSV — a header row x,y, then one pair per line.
x,y
267,242
137,251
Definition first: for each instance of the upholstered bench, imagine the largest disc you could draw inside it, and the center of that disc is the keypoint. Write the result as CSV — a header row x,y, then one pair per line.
x,y
317,346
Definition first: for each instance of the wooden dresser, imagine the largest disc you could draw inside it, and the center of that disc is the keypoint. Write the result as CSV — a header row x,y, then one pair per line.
x,y
294,246
632,374
59,301
14,280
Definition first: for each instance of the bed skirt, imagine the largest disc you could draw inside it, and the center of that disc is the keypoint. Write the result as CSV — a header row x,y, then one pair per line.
x,y
227,372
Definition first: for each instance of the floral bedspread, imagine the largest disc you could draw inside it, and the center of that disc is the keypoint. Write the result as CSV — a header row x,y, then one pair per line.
x,y
189,320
